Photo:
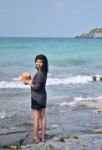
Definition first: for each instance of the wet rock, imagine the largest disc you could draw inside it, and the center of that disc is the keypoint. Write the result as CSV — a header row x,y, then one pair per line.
x,y
97,131
25,125
64,138
50,147
94,78
13,147
100,79
12,141
53,142
25,146
61,138
76,137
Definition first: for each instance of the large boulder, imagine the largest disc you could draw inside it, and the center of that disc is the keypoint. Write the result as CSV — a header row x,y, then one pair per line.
x,y
94,33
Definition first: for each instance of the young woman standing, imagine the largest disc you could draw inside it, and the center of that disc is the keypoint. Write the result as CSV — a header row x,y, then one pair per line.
x,y
39,96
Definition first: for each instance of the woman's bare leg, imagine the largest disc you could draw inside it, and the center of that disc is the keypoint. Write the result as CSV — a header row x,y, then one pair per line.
x,y
43,122
36,116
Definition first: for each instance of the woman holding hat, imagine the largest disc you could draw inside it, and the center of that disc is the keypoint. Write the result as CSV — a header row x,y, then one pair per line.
x,y
39,96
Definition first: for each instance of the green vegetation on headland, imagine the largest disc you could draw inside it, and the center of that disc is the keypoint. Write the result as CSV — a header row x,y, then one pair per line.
x,y
94,33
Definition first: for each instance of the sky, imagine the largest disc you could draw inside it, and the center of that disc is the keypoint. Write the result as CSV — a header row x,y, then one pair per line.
x,y
49,18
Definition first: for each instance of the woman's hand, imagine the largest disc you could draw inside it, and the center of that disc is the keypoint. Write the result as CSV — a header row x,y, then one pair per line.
x,y
28,82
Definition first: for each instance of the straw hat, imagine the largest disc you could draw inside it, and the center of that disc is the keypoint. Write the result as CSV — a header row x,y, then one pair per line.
x,y
25,76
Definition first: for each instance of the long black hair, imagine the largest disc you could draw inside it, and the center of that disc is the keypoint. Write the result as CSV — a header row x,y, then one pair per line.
x,y
45,62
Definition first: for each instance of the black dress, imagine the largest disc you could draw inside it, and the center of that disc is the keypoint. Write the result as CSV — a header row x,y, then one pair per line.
x,y
38,91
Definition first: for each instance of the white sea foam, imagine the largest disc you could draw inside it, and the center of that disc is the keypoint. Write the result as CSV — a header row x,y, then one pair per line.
x,y
70,103
12,84
69,80
50,81
2,115
78,99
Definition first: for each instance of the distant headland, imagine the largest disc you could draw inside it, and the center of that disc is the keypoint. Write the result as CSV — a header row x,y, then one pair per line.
x,y
94,33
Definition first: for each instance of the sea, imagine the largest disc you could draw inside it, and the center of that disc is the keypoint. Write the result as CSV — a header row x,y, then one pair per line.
x,y
72,64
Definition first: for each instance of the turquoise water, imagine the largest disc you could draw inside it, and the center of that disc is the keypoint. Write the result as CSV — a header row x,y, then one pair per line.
x,y
72,62
68,58
65,54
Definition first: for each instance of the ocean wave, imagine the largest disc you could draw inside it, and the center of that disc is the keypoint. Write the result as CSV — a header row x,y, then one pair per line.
x,y
50,81
69,80
78,99
12,84
4,114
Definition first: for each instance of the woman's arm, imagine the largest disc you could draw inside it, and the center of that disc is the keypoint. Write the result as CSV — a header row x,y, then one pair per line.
x,y
38,83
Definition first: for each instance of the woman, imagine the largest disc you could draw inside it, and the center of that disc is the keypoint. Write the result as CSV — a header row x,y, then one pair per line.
x,y
39,96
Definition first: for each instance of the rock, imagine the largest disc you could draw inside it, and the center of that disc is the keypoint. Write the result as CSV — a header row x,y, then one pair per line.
x,y
95,105
97,131
61,138
13,147
94,78
94,33
76,137
25,146
91,141
25,125
50,147
12,141
100,79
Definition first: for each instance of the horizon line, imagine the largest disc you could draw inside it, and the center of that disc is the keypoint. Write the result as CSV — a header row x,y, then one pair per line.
x,y
35,37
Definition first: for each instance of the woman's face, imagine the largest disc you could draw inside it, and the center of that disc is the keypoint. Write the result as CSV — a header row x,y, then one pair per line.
x,y
39,64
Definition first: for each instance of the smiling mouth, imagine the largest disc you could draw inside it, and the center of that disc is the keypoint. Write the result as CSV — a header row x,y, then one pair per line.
x,y
38,66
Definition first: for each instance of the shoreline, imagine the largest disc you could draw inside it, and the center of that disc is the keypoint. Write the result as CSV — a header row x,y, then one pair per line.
x,y
89,138
89,141
96,105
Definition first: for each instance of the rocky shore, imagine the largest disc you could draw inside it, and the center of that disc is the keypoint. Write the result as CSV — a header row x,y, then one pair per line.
x,y
22,140
95,105
94,33
56,139
62,137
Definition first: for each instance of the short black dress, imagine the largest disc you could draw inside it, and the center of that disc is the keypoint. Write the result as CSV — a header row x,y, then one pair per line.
x,y
38,91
